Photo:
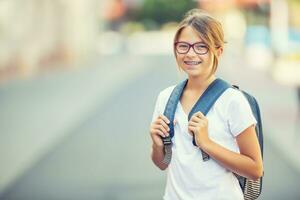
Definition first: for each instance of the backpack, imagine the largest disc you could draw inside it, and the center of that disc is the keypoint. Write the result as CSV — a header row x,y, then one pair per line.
x,y
251,189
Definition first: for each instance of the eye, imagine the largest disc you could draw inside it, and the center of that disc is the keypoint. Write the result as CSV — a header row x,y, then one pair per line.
x,y
200,46
182,46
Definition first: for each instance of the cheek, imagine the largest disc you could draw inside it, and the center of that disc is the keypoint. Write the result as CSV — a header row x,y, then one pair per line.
x,y
209,58
179,58
179,61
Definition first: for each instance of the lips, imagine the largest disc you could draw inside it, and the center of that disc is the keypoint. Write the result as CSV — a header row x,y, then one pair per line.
x,y
192,62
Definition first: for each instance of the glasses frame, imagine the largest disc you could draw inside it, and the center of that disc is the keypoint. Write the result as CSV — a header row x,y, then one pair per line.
x,y
191,45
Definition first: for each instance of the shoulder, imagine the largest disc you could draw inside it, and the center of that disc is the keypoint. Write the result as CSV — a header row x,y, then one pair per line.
x,y
163,97
165,93
231,101
232,96
237,111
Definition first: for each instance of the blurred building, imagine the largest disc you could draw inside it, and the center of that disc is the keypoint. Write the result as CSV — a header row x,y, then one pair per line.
x,y
38,34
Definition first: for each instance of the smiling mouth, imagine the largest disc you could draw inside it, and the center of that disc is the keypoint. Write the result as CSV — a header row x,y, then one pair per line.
x,y
192,62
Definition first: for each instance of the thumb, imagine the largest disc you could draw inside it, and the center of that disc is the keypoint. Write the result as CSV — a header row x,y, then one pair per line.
x,y
190,131
175,122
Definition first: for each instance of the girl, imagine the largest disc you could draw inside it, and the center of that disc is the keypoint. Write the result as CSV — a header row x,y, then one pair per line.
x,y
227,133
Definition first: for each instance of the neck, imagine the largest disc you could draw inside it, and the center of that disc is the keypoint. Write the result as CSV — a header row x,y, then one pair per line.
x,y
199,83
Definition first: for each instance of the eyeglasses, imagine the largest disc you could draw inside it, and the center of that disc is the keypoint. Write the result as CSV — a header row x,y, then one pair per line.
x,y
184,47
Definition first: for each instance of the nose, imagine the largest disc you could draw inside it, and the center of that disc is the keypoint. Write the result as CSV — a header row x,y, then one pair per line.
x,y
191,52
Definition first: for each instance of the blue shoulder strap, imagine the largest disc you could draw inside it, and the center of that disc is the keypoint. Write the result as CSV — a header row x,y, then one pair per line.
x,y
172,104
209,97
204,103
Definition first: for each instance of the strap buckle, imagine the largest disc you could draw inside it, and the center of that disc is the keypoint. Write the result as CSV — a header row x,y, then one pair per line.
x,y
167,140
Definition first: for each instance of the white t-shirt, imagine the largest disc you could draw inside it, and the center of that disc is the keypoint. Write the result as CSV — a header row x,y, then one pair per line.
x,y
189,177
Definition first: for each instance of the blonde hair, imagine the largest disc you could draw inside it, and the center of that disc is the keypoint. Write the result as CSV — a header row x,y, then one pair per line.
x,y
209,29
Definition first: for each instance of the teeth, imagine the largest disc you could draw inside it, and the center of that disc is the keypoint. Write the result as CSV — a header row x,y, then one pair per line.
x,y
192,62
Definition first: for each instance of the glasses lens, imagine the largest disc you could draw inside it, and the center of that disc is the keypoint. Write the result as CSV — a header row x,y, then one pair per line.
x,y
200,48
182,47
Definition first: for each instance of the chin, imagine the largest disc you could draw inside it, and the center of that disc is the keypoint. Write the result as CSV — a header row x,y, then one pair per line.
x,y
192,73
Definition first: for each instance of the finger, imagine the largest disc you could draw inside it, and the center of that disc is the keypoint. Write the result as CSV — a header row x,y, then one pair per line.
x,y
200,123
193,124
199,114
161,116
191,130
160,133
156,131
163,123
162,129
195,119
199,117
175,122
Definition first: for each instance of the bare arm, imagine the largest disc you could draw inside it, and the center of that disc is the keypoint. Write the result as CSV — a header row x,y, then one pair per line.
x,y
247,163
157,156
158,129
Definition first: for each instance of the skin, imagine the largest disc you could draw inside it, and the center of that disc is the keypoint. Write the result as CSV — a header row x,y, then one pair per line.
x,y
248,162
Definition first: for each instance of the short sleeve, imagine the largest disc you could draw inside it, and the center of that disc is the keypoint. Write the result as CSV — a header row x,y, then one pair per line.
x,y
157,108
240,115
161,102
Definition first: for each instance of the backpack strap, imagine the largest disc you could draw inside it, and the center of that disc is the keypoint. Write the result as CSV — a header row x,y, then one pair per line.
x,y
204,103
172,104
256,112
170,114
252,188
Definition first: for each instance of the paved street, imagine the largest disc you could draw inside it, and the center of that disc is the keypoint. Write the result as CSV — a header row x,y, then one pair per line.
x,y
105,152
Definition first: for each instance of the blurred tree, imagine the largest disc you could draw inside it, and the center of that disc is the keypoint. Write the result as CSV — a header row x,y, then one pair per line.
x,y
161,11
258,14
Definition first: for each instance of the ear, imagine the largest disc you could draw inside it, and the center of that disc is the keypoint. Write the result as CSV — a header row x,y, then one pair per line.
x,y
219,51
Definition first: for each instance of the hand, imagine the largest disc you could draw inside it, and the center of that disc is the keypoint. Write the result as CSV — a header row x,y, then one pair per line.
x,y
198,126
159,128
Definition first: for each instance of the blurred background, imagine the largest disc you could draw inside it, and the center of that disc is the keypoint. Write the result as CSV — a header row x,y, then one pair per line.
x,y
79,80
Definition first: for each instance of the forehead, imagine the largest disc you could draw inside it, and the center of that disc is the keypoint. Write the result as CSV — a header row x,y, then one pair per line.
x,y
188,34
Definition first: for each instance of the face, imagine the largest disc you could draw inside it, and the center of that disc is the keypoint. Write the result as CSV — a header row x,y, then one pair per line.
x,y
195,65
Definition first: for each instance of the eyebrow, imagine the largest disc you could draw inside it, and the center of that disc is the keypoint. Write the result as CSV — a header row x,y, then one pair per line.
x,y
192,43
